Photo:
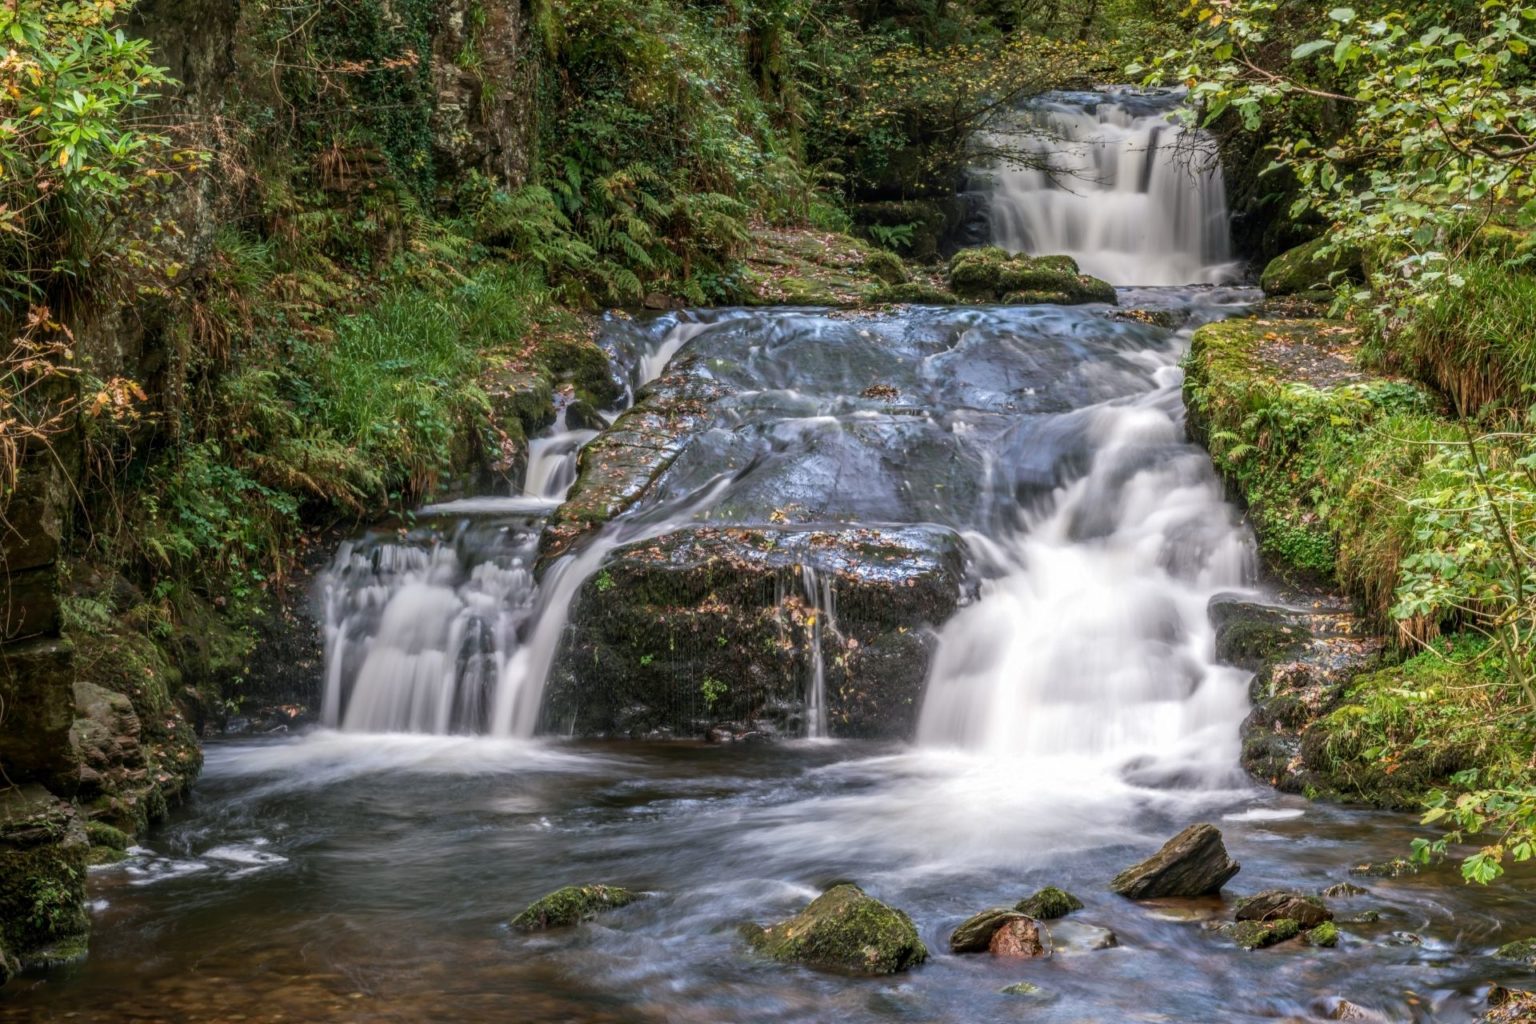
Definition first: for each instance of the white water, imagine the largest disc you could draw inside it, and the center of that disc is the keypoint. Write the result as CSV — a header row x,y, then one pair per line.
x,y
1133,196
822,607
432,639
1094,643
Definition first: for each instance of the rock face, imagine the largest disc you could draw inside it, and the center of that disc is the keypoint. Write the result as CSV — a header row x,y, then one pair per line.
x,y
975,934
572,905
844,929
1304,662
1049,903
1273,904
1018,939
42,877
1192,863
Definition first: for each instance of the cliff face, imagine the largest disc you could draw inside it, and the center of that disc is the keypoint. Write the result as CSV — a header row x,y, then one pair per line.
x,y
98,728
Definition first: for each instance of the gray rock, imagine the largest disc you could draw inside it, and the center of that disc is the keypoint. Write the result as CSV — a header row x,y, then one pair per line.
x,y
1273,904
1192,863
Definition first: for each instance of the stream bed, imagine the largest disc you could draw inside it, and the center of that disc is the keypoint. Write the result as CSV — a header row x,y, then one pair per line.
x,y
330,876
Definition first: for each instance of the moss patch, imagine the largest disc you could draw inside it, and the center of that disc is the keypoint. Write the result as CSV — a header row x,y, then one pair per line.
x,y
1049,903
991,274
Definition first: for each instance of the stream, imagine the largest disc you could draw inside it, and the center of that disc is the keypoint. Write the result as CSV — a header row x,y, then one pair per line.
x,y
1073,716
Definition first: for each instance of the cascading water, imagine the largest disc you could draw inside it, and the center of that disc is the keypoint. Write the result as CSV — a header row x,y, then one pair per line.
x,y
1116,182
822,607
444,629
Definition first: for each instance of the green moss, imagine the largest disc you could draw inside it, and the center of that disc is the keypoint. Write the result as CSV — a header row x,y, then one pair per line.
x,y
1261,934
42,896
1325,935
1308,268
844,929
572,905
1049,903
1022,988
915,293
1521,951
887,266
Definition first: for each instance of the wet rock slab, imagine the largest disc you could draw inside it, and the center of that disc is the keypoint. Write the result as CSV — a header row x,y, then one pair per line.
x,y
1193,863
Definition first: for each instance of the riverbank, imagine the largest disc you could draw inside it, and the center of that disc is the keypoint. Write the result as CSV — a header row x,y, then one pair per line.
x,y
1357,475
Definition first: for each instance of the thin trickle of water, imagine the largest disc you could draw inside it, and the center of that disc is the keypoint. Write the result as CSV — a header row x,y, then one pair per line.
x,y
553,458
822,609
1114,181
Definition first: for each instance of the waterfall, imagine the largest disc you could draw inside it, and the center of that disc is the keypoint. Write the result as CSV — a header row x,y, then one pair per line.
x,y
822,609
443,629
1116,182
1092,639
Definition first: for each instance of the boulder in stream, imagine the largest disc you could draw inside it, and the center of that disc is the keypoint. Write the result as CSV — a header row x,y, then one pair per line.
x,y
1193,863
1325,935
572,905
1520,951
1273,904
975,934
844,929
1048,904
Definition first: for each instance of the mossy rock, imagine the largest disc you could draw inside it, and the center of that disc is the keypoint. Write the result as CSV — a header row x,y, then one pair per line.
x,y
572,905
1261,934
1279,904
1521,951
1325,935
1307,268
1024,988
914,293
991,274
1049,903
844,929
887,266
102,834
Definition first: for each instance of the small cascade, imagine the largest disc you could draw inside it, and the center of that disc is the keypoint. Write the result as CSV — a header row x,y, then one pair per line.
x,y
1116,182
444,629
1093,642
822,606
552,460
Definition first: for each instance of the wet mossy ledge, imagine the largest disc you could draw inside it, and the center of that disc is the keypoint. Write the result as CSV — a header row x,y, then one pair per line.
x,y
1341,465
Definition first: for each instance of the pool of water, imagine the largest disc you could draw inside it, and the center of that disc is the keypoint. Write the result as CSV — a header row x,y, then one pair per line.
x,y
329,876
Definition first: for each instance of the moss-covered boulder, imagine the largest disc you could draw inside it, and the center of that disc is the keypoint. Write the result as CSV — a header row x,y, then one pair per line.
x,y
1274,904
992,274
1049,903
1520,951
1261,934
1310,269
887,266
975,933
844,929
572,905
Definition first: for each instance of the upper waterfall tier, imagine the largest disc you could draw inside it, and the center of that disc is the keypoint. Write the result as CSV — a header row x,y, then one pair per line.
x,y
1115,181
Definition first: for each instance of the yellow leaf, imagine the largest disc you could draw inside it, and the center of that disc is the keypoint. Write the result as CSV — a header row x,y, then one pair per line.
x,y
63,158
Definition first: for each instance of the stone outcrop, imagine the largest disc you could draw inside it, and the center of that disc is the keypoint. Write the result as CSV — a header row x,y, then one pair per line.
x,y
1192,863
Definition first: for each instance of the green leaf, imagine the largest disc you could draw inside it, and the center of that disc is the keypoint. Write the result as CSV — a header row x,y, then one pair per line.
x,y
1308,49
1343,15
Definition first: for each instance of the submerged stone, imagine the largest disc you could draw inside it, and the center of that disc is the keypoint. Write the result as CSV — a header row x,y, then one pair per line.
x,y
1078,937
572,905
1521,951
1397,867
1192,863
1049,903
844,929
1261,934
1345,890
1272,904
1023,988
975,934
